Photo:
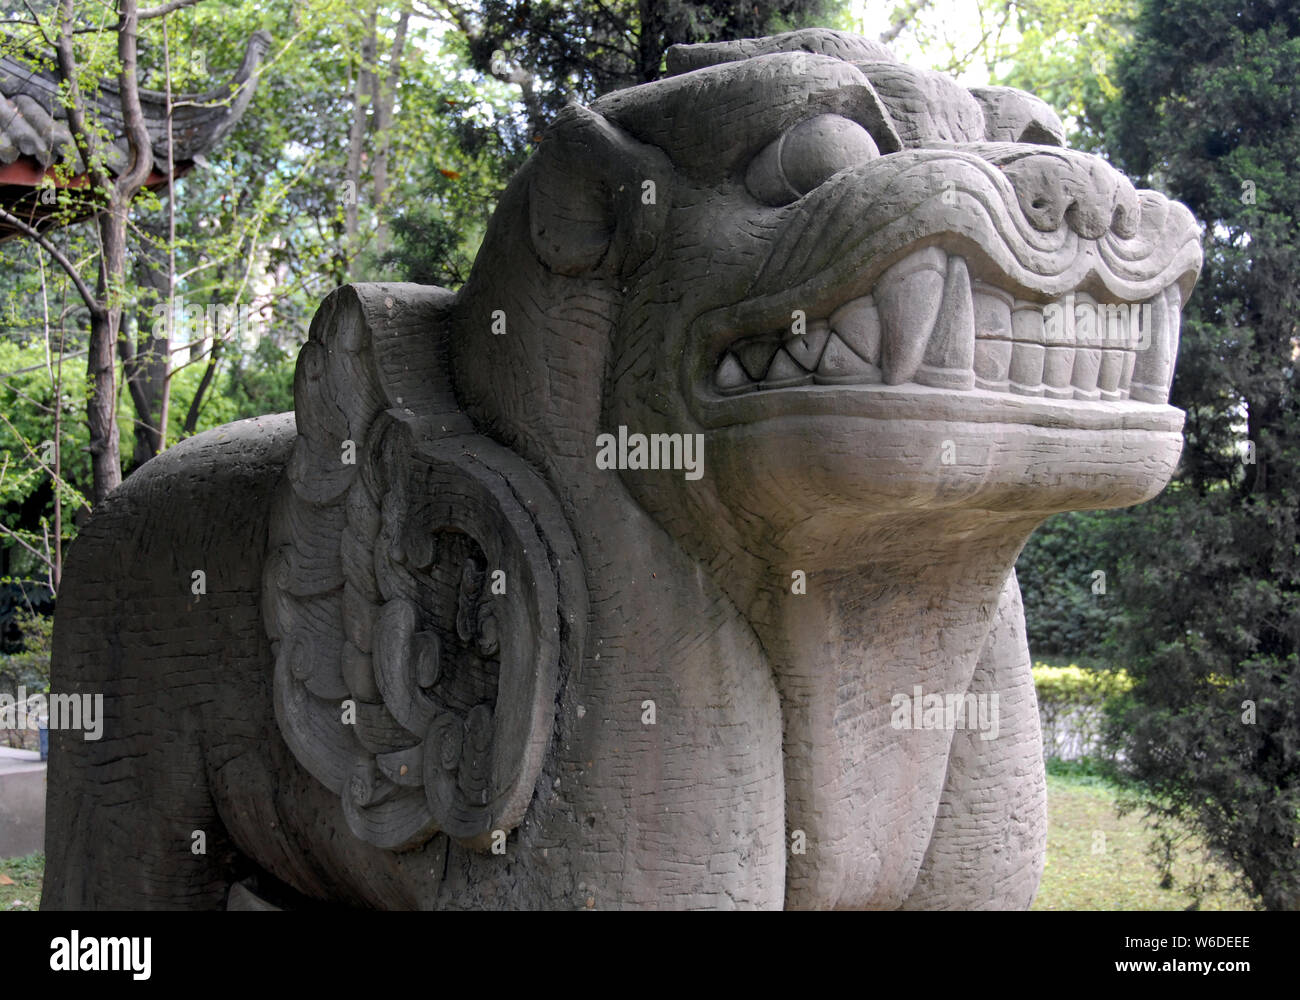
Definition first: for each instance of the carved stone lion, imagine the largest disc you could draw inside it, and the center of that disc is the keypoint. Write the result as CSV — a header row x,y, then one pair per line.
x,y
669,562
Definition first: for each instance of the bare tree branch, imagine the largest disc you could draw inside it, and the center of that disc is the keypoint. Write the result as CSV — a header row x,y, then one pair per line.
x,y
92,302
903,19
385,94
31,400
36,19
162,10
43,557
137,133
86,141
32,368
28,448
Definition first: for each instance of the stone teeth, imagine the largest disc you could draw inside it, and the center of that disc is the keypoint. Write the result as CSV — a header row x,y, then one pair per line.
x,y
1087,365
857,323
1153,368
755,356
730,376
1142,325
1108,373
1058,369
806,348
908,296
992,358
1089,321
1126,376
1125,326
839,365
1087,353
1027,355
784,372
928,322
1059,339
992,312
1058,322
950,353
992,364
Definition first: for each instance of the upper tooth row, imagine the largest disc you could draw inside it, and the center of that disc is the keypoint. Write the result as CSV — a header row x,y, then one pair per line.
x,y
927,322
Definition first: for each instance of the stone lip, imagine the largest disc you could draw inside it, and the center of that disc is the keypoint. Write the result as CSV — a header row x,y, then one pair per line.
x,y
919,402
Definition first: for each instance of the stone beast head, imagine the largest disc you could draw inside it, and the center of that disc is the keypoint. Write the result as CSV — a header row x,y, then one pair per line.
x,y
830,263
904,323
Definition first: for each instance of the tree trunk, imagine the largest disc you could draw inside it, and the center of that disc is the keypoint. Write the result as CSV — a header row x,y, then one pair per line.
x,y
146,362
363,93
101,360
385,94
650,44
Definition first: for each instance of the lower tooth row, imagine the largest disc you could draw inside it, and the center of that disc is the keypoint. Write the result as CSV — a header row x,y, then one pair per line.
x,y
884,338
1022,368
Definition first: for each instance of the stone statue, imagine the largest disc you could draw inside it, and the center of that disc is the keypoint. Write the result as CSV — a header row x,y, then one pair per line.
x,y
669,562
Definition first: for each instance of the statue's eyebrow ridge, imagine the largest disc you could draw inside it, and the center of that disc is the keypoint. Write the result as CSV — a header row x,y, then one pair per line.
x,y
750,103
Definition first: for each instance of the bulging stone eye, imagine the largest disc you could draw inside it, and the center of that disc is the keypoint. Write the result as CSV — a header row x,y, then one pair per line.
x,y
806,156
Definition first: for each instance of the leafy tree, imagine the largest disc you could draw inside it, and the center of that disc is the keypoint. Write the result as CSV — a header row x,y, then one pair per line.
x,y
546,54
85,51
1064,574
557,51
1062,50
1210,571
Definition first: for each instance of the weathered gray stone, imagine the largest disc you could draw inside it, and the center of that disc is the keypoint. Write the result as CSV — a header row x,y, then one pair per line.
x,y
457,649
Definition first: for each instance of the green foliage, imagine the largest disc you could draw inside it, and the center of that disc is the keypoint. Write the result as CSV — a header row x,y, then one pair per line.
x,y
1062,50
27,435
31,666
440,219
259,381
1065,615
585,49
29,669
553,53
20,889
1072,703
1066,55
1085,771
1074,685
1209,572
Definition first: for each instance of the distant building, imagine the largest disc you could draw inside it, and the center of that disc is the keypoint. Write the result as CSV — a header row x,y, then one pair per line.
x,y
34,133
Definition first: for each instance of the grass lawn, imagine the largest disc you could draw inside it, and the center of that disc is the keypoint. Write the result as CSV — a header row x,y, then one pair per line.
x,y
1120,875
20,882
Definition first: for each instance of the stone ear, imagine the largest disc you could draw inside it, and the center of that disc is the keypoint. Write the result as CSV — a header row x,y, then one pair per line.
x,y
597,197
1012,115
423,591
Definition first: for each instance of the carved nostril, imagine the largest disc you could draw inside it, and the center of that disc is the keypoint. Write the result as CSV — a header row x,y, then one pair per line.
x,y
1127,217
1124,223
1075,189
1088,218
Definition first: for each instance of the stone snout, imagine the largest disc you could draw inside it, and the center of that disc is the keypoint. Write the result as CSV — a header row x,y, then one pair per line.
x,y
1060,187
996,274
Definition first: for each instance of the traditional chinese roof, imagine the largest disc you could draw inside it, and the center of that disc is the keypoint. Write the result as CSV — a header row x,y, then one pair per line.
x,y
34,133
